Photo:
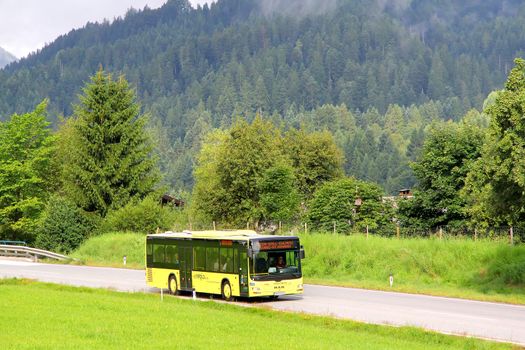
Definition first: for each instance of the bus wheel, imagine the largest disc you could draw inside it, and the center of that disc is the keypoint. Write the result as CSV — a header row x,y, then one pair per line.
x,y
172,285
226,291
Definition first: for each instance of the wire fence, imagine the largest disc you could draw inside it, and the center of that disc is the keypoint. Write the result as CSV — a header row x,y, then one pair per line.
x,y
511,234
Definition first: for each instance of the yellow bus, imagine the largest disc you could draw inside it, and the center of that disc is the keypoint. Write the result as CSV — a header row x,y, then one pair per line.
x,y
232,264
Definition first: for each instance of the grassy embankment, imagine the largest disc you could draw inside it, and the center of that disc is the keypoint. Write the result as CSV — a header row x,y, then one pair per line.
x,y
483,270
61,317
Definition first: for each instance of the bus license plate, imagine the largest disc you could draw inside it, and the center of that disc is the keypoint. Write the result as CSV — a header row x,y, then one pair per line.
x,y
279,293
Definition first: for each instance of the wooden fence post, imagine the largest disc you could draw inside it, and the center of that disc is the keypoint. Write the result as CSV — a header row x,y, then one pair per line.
x,y
214,226
397,231
366,231
335,228
475,234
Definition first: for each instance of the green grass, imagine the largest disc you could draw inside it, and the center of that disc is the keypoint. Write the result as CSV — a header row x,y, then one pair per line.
x,y
46,316
108,250
482,270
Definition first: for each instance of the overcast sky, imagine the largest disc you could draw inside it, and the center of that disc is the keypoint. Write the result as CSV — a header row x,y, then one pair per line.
x,y
27,25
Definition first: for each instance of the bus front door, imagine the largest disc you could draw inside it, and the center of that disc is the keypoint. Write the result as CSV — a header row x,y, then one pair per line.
x,y
186,264
243,272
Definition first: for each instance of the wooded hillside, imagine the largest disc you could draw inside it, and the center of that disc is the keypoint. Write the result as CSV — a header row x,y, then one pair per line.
x,y
373,73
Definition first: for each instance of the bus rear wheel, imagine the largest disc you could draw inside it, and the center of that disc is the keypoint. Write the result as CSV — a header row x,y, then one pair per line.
x,y
226,291
172,285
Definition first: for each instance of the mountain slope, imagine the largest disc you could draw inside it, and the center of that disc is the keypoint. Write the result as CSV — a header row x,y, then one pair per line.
x,y
362,55
195,69
5,58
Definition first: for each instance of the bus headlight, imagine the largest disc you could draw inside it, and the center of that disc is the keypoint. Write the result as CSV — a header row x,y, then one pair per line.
x,y
300,286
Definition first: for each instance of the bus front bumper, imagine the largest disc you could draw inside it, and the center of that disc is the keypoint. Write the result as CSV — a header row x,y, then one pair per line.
x,y
276,288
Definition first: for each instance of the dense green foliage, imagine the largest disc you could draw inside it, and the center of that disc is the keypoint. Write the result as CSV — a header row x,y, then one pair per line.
x,y
144,216
109,162
197,69
314,158
447,156
231,55
116,320
279,196
26,172
260,103
497,183
252,172
348,204
64,226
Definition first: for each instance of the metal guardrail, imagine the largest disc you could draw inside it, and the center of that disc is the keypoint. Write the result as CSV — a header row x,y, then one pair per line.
x,y
20,251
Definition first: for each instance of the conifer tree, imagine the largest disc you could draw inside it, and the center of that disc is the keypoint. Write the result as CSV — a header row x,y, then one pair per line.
x,y
111,160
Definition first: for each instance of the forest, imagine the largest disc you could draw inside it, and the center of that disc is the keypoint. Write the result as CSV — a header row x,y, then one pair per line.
x,y
407,94
374,74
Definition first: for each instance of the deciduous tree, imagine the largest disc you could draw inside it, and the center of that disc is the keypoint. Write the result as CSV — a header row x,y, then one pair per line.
x,y
497,183
26,172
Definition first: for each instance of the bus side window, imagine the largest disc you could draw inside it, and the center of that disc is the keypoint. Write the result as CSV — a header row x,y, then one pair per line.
x,y
199,256
226,261
172,256
212,259
158,253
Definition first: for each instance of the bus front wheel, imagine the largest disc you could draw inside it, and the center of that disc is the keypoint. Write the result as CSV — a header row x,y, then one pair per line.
x,y
226,291
172,285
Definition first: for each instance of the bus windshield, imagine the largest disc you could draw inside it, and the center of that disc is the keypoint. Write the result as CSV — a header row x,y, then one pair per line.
x,y
276,262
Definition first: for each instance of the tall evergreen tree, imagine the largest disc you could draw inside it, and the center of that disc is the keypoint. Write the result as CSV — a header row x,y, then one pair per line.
x,y
111,160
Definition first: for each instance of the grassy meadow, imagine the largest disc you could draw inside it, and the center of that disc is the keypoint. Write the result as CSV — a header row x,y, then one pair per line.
x,y
51,316
483,269
108,250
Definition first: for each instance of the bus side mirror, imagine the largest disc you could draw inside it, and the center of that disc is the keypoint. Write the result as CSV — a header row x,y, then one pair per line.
x,y
301,254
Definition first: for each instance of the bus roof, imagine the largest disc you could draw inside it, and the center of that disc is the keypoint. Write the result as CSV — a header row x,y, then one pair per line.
x,y
234,235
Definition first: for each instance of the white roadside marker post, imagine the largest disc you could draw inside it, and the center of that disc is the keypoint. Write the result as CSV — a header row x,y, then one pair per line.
x,y
391,280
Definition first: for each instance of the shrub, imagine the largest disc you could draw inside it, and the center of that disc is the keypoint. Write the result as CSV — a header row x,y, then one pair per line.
x,y
64,226
143,216
349,203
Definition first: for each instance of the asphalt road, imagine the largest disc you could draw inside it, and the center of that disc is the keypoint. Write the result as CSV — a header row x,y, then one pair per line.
x,y
455,316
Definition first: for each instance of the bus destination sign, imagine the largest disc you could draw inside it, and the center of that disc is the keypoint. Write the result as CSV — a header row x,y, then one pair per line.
x,y
274,245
